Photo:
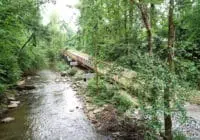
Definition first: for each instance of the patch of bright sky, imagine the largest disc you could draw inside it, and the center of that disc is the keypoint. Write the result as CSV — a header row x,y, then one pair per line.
x,y
64,9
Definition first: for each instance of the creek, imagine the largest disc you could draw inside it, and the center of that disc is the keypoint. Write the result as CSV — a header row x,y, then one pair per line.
x,y
52,111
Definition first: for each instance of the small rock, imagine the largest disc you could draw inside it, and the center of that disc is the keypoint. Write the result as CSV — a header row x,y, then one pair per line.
x,y
87,99
71,110
11,98
37,76
77,107
98,110
15,102
75,89
28,78
116,134
21,83
91,115
7,119
57,80
12,105
94,121
90,108
64,73
26,87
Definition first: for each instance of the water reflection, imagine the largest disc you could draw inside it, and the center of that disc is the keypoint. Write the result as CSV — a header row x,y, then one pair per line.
x,y
51,112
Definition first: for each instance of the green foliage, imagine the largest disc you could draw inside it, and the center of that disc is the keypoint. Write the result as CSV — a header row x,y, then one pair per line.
x,y
32,59
26,45
10,70
188,72
116,31
106,91
121,102
62,66
56,37
51,55
92,87
156,81
102,97
15,31
108,94
2,88
72,71
179,136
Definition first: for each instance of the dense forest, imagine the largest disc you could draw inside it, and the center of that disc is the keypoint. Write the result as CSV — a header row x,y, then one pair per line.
x,y
158,39
26,44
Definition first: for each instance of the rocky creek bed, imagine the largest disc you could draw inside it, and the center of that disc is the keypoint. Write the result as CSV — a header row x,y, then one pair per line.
x,y
190,127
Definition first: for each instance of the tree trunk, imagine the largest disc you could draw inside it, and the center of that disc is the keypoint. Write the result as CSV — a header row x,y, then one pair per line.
x,y
147,23
152,15
167,116
130,25
125,22
29,39
171,36
131,16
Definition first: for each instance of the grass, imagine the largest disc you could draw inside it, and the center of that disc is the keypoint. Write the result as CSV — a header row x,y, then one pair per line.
x,y
179,136
108,94
72,71
121,102
194,97
62,66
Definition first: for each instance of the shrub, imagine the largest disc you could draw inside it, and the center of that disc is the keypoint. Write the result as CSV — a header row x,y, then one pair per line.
x,y
92,87
108,94
62,66
2,88
72,71
9,69
121,102
52,54
30,60
179,136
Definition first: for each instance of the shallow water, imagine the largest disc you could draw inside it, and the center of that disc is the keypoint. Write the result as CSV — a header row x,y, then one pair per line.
x,y
51,112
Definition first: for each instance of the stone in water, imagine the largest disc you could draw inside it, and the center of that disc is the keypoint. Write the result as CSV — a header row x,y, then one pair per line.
x,y
12,105
15,102
7,120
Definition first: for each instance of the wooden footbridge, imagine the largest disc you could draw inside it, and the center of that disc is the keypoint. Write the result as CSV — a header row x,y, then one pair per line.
x,y
124,77
120,75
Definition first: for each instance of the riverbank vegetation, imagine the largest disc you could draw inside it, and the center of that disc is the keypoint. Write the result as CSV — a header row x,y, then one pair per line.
x,y
26,44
